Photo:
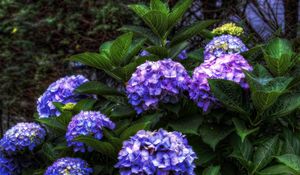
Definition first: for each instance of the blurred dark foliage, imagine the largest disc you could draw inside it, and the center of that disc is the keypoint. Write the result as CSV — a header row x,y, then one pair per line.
x,y
36,37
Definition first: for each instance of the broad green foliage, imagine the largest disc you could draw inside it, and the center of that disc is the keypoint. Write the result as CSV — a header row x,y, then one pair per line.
x,y
250,132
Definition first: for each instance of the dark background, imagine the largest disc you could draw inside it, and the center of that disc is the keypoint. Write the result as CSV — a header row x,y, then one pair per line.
x,y
37,36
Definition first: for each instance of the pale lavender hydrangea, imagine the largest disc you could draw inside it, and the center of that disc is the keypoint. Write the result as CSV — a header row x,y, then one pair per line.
x,y
227,67
159,152
61,91
156,82
21,137
87,123
224,44
69,166
8,165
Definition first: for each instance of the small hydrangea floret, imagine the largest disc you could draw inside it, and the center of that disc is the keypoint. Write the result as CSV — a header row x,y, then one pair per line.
x,y
69,166
8,165
22,136
228,67
228,28
158,152
61,91
222,45
87,123
157,82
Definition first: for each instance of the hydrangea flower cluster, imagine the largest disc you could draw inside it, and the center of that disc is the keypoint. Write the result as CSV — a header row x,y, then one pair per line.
x,y
224,44
21,137
158,152
87,123
154,82
227,67
228,28
69,166
61,91
8,165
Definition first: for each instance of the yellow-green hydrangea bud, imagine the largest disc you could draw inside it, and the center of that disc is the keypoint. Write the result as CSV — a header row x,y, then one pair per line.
x,y
68,106
228,28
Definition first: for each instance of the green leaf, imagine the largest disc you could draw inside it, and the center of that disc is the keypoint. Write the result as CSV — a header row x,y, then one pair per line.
x,y
264,153
278,47
177,12
212,135
48,151
120,47
134,50
290,160
84,105
241,129
52,123
95,60
291,142
120,111
132,130
212,170
242,151
104,148
229,93
277,170
105,48
191,31
177,49
142,31
187,125
159,6
161,52
279,56
196,55
156,20
139,9
285,105
96,87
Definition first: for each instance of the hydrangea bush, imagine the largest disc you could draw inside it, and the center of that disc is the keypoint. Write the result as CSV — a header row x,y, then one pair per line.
x,y
168,111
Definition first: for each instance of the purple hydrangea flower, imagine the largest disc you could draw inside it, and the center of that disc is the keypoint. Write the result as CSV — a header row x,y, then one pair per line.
x,y
154,82
61,91
227,67
21,137
224,44
160,152
69,166
8,165
87,123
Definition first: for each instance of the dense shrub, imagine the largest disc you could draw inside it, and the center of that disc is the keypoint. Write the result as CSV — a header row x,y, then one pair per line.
x,y
237,115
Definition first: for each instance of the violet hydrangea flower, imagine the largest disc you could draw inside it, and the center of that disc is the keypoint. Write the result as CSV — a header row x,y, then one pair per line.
x,y
154,82
224,44
69,166
227,67
87,123
61,91
21,137
158,152
8,165
182,55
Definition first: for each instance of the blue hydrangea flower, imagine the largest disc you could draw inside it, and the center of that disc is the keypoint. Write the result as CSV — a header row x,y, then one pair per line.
x,y
69,166
61,91
158,152
8,165
21,137
154,82
87,123
224,44
227,67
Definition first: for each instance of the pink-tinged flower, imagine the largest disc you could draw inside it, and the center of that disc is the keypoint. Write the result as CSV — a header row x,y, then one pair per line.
x,y
227,67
